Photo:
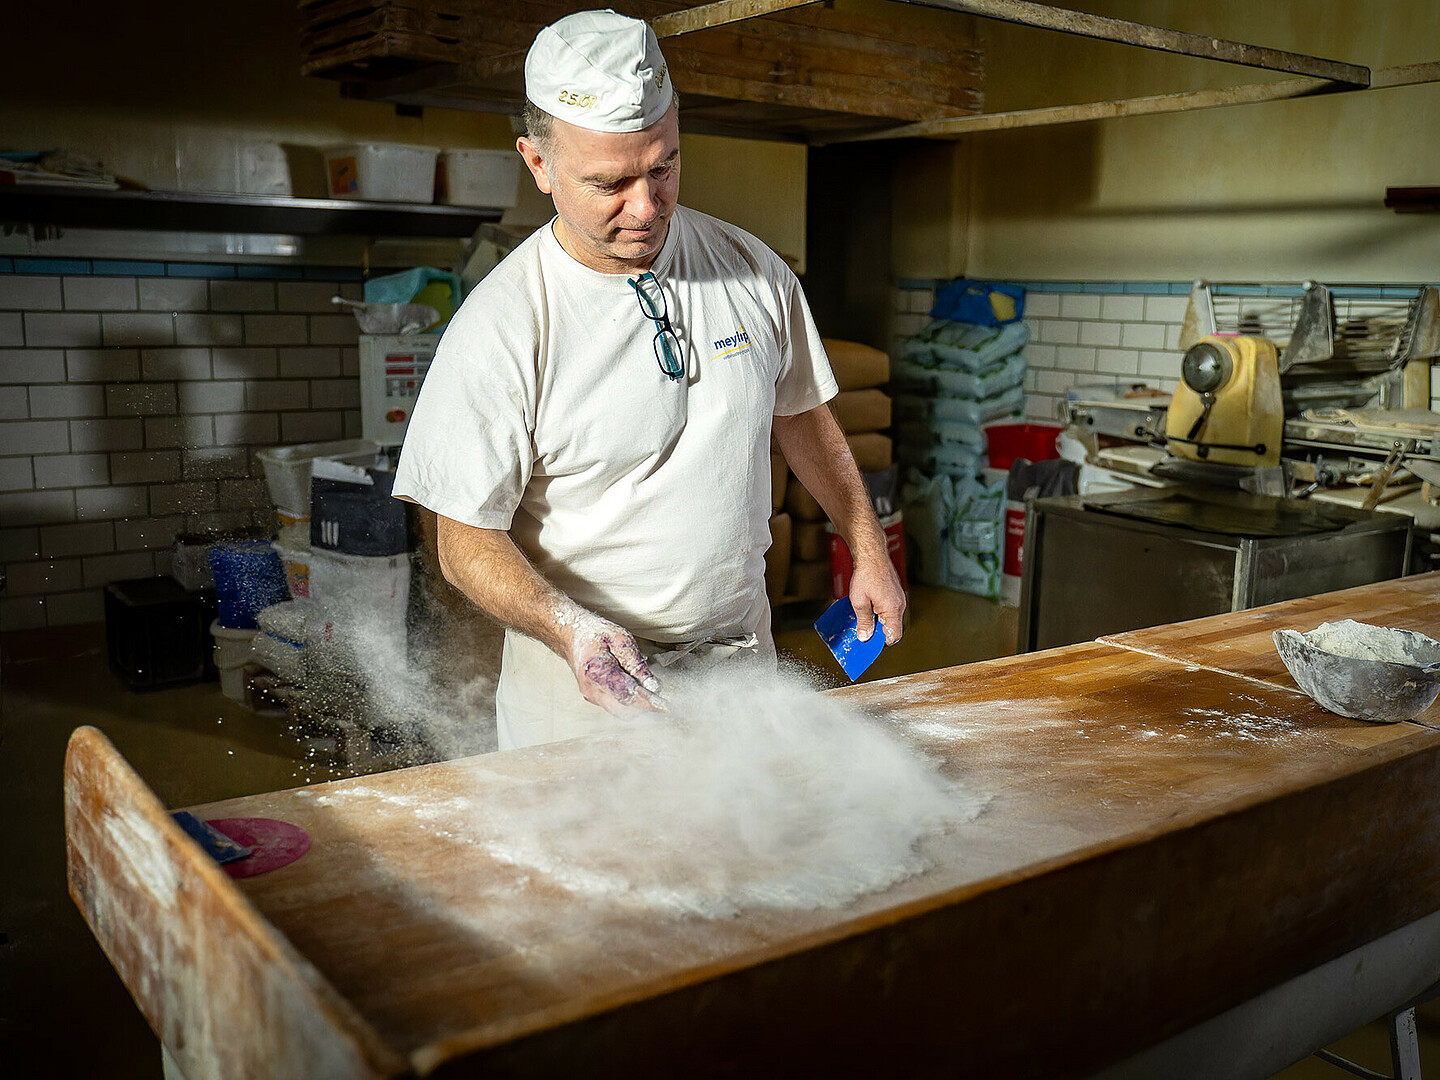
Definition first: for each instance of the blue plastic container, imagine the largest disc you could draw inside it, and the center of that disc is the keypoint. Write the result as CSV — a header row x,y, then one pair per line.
x,y
248,577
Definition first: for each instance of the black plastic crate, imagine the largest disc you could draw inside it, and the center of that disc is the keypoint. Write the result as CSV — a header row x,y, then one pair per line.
x,y
156,633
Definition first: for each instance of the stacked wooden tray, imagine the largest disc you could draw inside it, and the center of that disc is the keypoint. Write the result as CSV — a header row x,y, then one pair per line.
x,y
791,73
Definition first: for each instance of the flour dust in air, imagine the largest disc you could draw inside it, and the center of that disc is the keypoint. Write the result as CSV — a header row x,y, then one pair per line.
x,y
753,791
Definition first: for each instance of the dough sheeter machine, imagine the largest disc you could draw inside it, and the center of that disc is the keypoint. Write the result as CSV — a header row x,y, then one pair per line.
x,y
1281,401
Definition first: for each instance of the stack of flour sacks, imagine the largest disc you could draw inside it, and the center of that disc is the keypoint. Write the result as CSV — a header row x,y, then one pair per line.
x,y
950,379
965,369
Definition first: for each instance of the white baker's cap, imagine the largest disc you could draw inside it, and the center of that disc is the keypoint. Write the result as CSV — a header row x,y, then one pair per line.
x,y
599,70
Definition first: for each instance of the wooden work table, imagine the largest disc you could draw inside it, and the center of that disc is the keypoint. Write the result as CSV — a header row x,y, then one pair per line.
x,y
1240,642
1170,831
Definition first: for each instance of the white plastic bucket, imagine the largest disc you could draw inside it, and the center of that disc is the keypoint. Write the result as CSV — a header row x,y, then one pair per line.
x,y
381,172
479,178
232,652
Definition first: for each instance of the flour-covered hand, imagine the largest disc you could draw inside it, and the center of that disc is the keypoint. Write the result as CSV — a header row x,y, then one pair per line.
x,y
875,592
608,665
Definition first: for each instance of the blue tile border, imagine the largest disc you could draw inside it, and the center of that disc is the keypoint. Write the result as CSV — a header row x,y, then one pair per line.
x,y
261,272
1109,288
205,270
1182,288
21,264
24,265
127,268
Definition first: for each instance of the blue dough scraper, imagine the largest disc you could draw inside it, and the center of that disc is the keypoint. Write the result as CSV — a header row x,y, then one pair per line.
x,y
837,629
216,844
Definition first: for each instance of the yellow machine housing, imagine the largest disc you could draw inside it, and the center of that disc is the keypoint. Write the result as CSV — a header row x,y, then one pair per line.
x,y
1227,408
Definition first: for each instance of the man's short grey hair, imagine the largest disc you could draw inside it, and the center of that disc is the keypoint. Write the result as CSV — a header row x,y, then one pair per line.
x,y
540,125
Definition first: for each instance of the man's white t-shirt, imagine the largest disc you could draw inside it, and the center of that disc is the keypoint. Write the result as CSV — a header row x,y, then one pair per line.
x,y
644,499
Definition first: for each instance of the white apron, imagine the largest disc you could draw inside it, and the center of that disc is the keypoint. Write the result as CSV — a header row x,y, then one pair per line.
x,y
537,700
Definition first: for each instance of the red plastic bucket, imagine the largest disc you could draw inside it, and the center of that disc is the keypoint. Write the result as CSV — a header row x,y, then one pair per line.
x,y
1032,441
1006,443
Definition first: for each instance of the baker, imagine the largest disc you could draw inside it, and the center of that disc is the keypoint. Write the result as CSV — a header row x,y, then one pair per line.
x,y
594,432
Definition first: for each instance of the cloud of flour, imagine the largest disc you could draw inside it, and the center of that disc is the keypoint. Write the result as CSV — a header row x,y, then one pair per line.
x,y
753,791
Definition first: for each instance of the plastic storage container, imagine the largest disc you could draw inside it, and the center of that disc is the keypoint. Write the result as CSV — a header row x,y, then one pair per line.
x,y
479,178
154,633
381,172
287,472
232,652
248,577
1032,441
1008,443
190,564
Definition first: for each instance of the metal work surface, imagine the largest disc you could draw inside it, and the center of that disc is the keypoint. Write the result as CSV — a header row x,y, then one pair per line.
x,y
1161,841
1090,573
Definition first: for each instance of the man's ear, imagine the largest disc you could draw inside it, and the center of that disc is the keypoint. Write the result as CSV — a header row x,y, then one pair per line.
x,y
535,162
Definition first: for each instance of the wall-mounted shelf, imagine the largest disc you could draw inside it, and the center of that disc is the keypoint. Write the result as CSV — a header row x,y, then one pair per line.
x,y
175,211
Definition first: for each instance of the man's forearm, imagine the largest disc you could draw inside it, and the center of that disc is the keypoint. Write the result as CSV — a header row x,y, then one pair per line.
x,y
816,450
487,567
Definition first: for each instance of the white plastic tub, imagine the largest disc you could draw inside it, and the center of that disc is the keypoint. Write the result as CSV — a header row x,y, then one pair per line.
x,y
381,172
287,472
479,178
232,652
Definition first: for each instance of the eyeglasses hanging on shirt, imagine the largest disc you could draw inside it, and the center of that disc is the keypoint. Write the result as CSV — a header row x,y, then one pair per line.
x,y
654,307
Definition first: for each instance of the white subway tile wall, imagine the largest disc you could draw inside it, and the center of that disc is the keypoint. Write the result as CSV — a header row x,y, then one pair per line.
x,y
1077,339
1122,339
131,409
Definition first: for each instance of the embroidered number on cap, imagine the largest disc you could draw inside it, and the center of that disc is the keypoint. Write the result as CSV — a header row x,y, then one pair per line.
x,y
580,101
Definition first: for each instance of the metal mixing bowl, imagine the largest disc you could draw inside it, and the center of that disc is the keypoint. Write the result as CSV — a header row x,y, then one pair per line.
x,y
1364,672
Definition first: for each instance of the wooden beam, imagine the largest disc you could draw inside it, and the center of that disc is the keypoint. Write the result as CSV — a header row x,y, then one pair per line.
x,y
719,14
1144,36
674,24
1189,101
1413,200
1427,71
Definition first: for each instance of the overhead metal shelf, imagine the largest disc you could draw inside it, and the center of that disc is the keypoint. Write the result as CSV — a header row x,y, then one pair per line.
x,y
176,211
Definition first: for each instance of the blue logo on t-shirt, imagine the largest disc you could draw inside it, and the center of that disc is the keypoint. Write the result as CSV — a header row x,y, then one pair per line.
x,y
729,346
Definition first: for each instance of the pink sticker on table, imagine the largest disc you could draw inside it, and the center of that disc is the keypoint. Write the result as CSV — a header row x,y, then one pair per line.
x,y
273,844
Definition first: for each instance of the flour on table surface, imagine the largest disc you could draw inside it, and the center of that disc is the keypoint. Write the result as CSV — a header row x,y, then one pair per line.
x,y
753,791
